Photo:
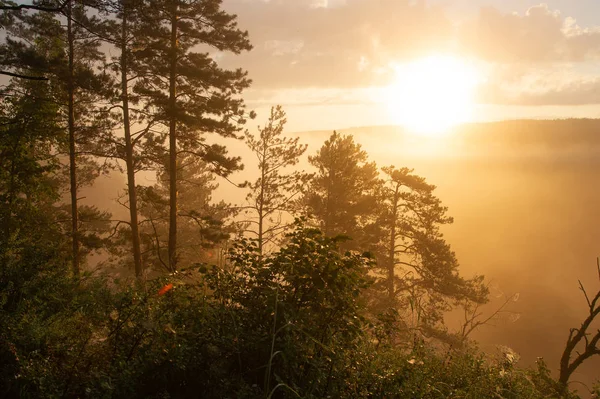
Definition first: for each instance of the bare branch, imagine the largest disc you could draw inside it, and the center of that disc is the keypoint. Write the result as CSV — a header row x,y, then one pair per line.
x,y
572,358
584,293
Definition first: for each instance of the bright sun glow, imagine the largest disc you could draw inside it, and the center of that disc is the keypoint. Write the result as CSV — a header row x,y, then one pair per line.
x,y
432,94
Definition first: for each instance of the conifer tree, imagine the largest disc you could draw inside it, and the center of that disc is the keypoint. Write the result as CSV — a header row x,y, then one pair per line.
x,y
119,29
67,55
71,128
186,91
8,9
29,130
420,271
272,195
342,196
127,14
203,224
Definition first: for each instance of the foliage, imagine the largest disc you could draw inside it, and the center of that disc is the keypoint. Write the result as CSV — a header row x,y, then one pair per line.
x,y
342,196
423,373
420,271
284,325
203,224
296,311
272,195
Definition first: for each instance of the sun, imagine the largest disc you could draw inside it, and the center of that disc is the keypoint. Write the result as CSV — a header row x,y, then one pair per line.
x,y
433,94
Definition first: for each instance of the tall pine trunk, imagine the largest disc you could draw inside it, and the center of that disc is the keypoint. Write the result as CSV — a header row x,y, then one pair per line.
x,y
133,213
11,190
72,148
173,142
392,249
261,202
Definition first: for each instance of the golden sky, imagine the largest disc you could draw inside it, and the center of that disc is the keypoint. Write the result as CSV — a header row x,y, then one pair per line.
x,y
332,63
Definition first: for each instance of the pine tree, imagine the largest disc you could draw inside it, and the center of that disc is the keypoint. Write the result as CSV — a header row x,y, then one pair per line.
x,y
273,194
420,271
67,56
71,128
342,195
8,10
186,91
29,131
118,28
203,224
126,14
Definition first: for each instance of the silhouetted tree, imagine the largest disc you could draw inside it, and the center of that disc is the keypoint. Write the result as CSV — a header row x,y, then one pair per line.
x,y
420,269
186,91
71,128
127,13
202,224
67,55
475,317
118,28
342,195
272,195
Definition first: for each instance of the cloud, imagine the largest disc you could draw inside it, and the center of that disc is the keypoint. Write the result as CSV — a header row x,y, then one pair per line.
x,y
578,92
562,84
307,97
540,35
582,43
349,44
346,44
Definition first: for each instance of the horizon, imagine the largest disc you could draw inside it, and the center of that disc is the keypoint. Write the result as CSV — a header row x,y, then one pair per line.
x,y
449,131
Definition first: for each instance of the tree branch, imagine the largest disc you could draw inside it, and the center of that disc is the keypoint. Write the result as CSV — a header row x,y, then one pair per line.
x,y
21,76
19,7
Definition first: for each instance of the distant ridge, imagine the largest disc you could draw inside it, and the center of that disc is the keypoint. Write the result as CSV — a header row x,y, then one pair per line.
x,y
551,134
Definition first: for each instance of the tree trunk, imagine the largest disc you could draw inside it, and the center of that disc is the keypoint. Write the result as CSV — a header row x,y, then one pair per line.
x,y
261,200
72,148
173,144
327,219
135,232
392,249
11,190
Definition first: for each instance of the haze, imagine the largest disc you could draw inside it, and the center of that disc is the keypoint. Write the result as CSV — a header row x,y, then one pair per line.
x,y
300,198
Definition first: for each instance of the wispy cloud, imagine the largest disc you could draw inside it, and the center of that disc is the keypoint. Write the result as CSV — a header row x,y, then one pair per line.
x,y
342,45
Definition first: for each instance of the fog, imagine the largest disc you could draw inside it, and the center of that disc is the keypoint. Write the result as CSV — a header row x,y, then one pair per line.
x,y
525,200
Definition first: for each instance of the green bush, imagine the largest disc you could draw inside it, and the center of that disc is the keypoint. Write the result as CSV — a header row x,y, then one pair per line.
x,y
286,325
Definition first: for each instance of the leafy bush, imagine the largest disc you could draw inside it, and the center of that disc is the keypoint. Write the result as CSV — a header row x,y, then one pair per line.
x,y
285,325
